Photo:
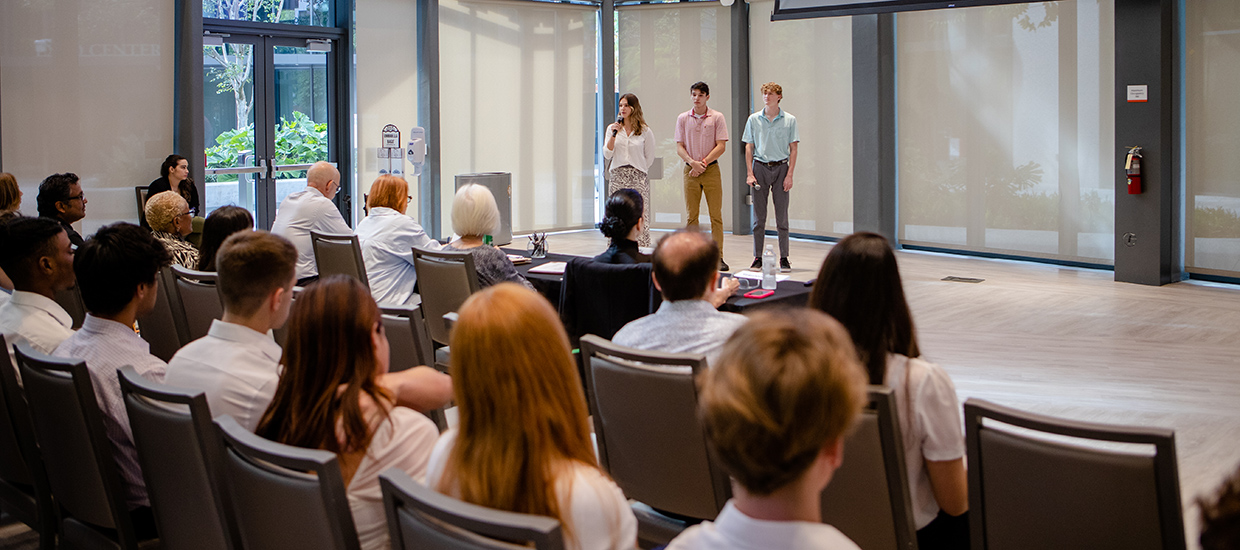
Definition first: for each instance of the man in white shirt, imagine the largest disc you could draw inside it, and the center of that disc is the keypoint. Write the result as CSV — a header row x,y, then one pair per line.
x,y
36,254
776,409
311,209
237,364
117,272
684,271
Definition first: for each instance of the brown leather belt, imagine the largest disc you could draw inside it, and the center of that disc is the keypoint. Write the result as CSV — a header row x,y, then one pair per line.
x,y
712,163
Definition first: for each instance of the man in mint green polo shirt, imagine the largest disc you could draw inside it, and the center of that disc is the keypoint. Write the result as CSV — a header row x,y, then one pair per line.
x,y
771,157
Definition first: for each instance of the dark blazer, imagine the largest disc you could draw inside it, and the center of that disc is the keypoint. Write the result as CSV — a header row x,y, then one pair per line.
x,y
623,251
600,299
187,190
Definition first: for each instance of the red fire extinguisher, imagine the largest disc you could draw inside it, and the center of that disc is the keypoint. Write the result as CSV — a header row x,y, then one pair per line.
x,y
1133,168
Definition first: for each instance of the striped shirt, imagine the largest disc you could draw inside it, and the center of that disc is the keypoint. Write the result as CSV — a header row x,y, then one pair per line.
x,y
105,346
700,132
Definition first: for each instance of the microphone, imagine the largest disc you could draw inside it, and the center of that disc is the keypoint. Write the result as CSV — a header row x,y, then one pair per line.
x,y
620,121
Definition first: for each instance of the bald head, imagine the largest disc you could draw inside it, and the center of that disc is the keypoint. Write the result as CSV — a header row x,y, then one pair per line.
x,y
324,177
685,264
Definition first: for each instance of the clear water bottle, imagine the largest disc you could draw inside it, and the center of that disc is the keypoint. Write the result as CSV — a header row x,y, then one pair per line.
x,y
769,268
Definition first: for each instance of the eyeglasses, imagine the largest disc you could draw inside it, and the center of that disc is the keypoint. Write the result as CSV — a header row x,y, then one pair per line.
x,y
186,213
76,197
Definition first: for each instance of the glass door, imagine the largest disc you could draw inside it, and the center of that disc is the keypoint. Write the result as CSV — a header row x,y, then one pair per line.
x,y
282,84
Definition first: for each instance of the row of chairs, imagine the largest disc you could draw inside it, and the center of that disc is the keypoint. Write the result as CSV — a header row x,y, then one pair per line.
x,y
212,484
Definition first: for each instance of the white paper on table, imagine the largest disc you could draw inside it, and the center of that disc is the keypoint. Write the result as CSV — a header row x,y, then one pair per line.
x,y
757,276
550,268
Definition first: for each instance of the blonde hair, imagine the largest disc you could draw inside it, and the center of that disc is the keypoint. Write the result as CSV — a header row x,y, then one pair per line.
x,y
773,88
787,385
522,411
164,207
474,211
389,192
10,194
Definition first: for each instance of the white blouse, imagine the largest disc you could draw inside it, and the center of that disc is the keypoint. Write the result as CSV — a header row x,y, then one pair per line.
x,y
404,442
387,238
934,431
594,507
632,150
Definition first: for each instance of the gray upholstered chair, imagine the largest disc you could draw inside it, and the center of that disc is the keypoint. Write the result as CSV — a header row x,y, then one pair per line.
x,y
445,279
410,346
79,457
198,300
338,254
179,453
419,517
868,498
140,193
644,406
24,490
71,301
161,328
1028,491
283,497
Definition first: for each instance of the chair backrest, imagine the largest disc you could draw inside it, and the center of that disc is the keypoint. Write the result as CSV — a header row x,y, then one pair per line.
x,y
13,468
868,498
1026,491
445,278
280,334
649,439
162,328
71,301
200,302
284,497
21,463
407,336
178,450
69,427
338,254
419,517
599,299
140,193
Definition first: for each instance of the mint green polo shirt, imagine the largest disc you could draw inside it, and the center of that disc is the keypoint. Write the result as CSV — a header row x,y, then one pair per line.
x,y
771,139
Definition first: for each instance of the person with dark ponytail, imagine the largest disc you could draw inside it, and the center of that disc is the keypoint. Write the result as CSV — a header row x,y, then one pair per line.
x,y
622,223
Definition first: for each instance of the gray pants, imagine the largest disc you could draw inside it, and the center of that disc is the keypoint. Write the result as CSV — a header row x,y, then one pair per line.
x,y
770,182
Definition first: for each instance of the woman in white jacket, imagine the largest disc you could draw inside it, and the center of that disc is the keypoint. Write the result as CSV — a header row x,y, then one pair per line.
x,y
630,147
387,237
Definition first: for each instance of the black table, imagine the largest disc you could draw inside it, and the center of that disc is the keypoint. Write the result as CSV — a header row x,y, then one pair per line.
x,y
787,293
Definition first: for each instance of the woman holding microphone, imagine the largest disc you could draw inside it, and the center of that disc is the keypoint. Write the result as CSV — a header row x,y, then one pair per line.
x,y
629,144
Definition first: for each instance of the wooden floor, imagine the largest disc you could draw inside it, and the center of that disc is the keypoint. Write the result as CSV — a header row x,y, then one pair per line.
x,y
1068,342
1062,341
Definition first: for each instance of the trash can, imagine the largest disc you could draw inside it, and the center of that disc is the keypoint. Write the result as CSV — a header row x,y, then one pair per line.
x,y
500,184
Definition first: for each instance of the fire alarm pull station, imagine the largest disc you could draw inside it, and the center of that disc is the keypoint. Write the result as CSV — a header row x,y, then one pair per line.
x,y
1133,168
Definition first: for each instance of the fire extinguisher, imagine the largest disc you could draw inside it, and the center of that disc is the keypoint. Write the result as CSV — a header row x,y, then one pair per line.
x,y
1133,168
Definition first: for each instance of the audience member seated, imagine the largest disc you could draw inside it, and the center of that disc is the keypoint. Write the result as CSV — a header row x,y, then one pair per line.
x,y
685,273
174,176
36,253
10,205
523,441
1220,517
776,410
237,364
311,209
475,216
117,272
10,197
61,198
622,222
859,285
220,225
170,219
330,398
387,237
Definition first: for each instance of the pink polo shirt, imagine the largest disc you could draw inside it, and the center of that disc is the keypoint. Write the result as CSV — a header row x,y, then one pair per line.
x,y
699,133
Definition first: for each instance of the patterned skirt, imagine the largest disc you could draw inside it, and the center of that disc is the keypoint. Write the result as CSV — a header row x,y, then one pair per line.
x,y
628,177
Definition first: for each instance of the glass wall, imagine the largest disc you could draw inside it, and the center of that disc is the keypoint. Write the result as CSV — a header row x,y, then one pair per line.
x,y
663,50
1212,128
87,88
290,12
1006,129
812,60
518,84
386,86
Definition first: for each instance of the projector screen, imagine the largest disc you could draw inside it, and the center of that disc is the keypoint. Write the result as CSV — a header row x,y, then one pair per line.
x,y
805,9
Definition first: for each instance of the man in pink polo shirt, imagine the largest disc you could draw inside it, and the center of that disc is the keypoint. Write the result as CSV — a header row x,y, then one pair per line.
x,y
701,138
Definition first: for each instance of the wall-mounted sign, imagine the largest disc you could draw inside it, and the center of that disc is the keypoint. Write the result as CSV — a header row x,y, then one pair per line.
x,y
1138,94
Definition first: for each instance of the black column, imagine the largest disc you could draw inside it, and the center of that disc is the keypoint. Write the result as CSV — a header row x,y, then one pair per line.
x,y
607,66
429,194
742,223
187,126
1147,226
874,125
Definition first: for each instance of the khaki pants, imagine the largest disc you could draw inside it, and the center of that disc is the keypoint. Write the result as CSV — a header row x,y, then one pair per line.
x,y
709,183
